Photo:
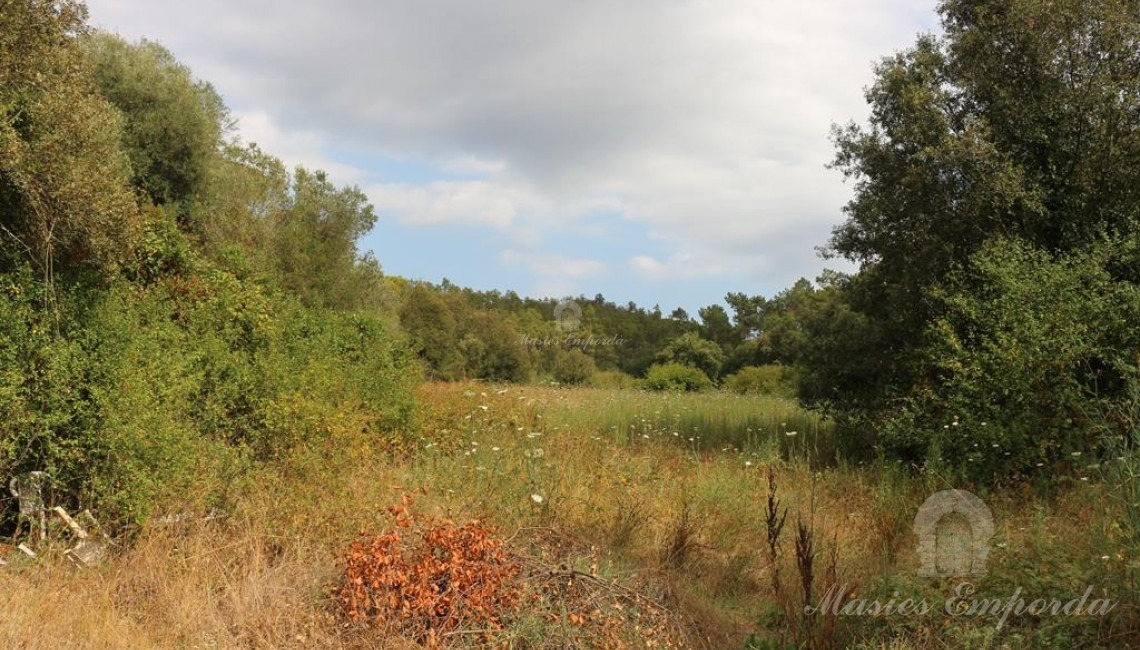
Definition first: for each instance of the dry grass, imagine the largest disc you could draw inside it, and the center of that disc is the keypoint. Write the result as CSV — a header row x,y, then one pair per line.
x,y
632,536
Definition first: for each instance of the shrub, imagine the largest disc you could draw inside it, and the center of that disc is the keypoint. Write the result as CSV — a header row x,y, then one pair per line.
x,y
1027,349
426,578
613,379
573,367
674,376
772,379
132,397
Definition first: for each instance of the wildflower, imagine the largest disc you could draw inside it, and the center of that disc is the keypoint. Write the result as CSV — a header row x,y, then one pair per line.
x,y
748,463
791,434
1076,454
537,498
495,449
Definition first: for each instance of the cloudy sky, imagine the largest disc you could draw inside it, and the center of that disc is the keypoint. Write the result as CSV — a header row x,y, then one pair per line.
x,y
665,152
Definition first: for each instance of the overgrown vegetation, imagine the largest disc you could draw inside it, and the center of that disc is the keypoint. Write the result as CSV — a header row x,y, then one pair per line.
x,y
149,352
188,327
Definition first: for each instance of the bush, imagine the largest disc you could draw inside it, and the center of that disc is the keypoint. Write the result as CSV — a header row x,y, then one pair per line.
x,y
134,398
573,367
674,376
613,379
772,379
427,578
1029,349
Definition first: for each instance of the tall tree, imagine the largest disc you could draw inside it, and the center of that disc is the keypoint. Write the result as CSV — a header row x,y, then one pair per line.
x,y
172,123
63,192
1021,121
315,239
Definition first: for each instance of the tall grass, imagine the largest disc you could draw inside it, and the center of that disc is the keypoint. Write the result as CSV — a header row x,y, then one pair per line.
x,y
701,421
629,537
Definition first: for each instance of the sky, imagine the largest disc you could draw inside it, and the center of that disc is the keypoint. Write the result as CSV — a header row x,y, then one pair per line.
x,y
662,152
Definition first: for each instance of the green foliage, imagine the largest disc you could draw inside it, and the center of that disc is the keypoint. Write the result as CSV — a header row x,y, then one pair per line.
x,y
979,136
156,393
1027,345
158,382
314,242
172,123
674,376
574,367
691,350
432,331
64,195
612,379
492,348
247,186
772,379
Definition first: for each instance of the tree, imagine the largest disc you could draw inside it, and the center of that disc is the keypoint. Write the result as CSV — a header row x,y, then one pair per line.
x,y
573,367
172,124
433,331
1022,121
314,242
695,352
716,326
493,348
64,196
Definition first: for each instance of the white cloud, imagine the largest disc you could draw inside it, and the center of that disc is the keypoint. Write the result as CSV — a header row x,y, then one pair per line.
x,y
297,147
470,203
554,265
706,121
686,265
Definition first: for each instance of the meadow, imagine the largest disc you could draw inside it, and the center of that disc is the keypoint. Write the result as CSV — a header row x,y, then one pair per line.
x,y
612,518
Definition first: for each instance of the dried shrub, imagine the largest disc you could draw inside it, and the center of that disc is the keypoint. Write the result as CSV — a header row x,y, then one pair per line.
x,y
429,578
